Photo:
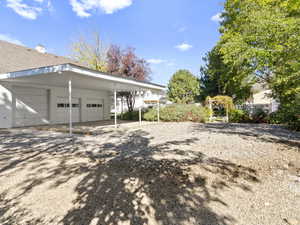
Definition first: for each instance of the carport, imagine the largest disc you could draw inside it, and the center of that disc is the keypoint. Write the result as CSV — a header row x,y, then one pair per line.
x,y
70,77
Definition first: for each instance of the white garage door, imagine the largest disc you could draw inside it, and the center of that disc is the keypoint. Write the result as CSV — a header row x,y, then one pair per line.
x,y
62,107
94,109
31,107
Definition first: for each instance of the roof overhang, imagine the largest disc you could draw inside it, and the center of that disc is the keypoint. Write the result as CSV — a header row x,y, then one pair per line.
x,y
82,77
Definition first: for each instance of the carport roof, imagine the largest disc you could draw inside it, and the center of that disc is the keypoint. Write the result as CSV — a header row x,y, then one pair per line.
x,y
69,69
21,62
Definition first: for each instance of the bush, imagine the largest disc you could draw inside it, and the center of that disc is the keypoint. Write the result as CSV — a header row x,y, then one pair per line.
x,y
130,116
275,118
288,115
179,113
238,116
259,116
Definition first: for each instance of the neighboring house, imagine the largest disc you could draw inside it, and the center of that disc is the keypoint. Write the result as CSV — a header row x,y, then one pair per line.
x,y
146,100
261,98
39,88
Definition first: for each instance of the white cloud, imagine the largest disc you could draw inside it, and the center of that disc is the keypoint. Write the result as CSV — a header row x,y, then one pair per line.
x,y
24,10
184,47
6,37
83,7
217,17
50,6
161,61
156,61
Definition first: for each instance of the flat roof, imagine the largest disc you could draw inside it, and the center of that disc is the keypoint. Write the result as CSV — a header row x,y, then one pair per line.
x,y
81,70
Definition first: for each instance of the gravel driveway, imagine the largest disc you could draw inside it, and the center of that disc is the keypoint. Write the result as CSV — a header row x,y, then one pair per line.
x,y
168,173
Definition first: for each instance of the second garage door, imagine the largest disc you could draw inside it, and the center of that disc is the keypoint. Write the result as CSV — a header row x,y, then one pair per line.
x,y
62,107
94,109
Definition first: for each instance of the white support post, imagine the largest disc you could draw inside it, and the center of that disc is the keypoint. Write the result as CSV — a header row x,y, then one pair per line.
x,y
140,109
211,110
227,114
122,106
70,108
115,107
158,111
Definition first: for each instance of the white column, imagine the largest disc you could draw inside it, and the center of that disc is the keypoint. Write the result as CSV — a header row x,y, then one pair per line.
x,y
227,114
140,109
211,110
70,107
122,105
115,107
158,110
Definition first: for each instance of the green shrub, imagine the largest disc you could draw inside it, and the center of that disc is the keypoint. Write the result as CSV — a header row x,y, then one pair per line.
x,y
150,115
179,113
287,115
130,116
238,116
259,116
275,118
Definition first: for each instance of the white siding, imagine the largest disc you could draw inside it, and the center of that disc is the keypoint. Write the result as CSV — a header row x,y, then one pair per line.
x,y
6,110
30,104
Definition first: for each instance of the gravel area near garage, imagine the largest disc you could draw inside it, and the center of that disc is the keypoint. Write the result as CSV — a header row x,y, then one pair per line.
x,y
167,173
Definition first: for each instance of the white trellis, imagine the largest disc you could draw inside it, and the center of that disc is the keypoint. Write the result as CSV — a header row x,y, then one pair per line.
x,y
211,102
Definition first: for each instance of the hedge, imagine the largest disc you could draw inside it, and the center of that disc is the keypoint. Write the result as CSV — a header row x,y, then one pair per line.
x,y
179,113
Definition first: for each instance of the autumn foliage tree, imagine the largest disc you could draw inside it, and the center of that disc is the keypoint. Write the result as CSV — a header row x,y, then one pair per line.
x,y
90,52
127,64
123,62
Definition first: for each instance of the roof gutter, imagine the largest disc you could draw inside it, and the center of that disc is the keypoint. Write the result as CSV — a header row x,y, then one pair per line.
x,y
80,70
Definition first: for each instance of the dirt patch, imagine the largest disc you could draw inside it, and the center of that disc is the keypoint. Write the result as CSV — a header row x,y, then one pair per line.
x,y
171,173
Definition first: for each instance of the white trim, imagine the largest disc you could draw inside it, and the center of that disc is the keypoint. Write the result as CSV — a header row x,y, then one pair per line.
x,y
76,69
116,79
37,71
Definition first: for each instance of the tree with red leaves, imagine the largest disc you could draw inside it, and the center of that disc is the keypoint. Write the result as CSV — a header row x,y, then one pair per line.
x,y
126,63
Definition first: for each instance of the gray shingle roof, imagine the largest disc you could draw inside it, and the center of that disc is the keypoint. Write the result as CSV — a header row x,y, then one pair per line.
x,y
15,58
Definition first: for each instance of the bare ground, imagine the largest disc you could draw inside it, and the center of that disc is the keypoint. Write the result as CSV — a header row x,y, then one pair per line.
x,y
170,173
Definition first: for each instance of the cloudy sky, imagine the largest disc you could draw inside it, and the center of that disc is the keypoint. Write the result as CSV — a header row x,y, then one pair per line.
x,y
170,34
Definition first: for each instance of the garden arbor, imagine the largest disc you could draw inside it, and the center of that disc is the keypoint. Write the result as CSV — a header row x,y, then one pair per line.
x,y
220,102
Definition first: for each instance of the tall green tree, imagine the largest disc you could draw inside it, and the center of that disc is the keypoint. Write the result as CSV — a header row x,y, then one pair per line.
x,y
218,78
263,38
183,87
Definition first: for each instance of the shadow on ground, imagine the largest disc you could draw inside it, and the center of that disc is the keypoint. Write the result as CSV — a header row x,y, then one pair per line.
x,y
261,132
125,183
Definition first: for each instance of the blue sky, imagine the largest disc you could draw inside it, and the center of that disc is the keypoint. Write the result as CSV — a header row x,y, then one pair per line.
x,y
170,34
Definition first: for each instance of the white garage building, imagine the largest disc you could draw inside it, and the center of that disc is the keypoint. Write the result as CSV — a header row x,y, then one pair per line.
x,y
38,88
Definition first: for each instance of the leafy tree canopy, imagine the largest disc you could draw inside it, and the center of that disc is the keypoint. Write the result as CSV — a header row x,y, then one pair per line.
x,y
262,37
183,87
218,78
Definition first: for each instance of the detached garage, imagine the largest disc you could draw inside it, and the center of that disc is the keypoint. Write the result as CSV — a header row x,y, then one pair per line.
x,y
39,88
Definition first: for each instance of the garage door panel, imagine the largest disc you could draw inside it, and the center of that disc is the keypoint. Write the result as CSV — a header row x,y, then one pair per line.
x,y
62,110
94,109
31,106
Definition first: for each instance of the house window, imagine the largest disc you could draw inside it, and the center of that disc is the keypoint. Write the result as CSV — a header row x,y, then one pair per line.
x,y
94,105
67,105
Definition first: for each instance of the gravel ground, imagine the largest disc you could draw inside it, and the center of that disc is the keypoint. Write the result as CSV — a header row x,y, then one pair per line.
x,y
168,173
